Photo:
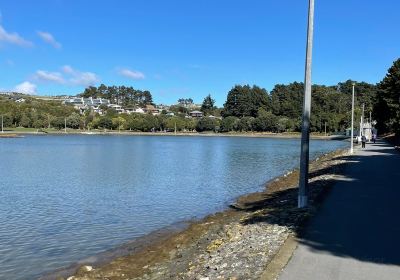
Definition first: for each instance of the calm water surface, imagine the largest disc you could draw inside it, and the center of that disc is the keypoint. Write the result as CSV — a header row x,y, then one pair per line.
x,y
64,198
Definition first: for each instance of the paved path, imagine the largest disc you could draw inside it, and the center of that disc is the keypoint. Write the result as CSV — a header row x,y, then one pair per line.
x,y
356,233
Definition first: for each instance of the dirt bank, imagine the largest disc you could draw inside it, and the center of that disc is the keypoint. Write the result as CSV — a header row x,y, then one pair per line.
x,y
9,135
234,244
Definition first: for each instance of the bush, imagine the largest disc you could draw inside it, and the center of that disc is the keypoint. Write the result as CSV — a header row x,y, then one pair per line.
x,y
229,124
206,124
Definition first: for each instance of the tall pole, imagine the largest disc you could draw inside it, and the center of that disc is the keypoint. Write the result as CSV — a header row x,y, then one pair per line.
x,y
325,128
2,129
352,121
370,126
305,131
65,125
362,120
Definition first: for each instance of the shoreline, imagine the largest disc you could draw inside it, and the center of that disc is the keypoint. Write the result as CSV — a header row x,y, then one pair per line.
x,y
17,134
174,251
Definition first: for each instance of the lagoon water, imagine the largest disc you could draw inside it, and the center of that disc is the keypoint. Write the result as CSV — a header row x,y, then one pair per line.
x,y
64,198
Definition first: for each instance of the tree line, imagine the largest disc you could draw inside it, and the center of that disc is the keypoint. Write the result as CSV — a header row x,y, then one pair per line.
x,y
253,108
122,95
247,108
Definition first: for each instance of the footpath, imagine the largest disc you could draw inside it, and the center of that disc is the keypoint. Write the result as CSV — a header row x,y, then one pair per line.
x,y
356,233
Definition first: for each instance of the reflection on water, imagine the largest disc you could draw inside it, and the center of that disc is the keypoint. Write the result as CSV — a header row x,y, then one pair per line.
x,y
64,198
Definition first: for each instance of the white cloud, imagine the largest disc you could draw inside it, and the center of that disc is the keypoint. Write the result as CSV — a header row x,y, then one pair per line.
x,y
46,76
85,79
80,78
26,87
13,38
69,77
131,74
48,38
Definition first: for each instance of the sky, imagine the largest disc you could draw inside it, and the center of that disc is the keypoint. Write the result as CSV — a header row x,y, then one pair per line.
x,y
189,49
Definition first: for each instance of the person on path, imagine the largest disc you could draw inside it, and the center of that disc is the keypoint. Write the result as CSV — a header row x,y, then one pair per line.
x,y
374,137
363,140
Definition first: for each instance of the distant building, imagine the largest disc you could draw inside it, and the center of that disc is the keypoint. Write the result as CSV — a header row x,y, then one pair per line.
x,y
86,101
152,110
83,104
20,100
139,111
117,108
196,114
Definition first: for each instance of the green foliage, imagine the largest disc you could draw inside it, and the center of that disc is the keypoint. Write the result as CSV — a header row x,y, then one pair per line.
x,y
245,101
59,122
387,107
118,123
287,100
265,121
229,124
207,124
73,120
33,113
105,122
245,124
127,96
208,105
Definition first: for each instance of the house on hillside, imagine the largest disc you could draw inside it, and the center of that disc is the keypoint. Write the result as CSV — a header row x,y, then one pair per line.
x,y
152,110
196,114
117,108
20,100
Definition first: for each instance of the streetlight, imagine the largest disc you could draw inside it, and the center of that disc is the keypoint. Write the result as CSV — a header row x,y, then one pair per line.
x,y
305,131
352,121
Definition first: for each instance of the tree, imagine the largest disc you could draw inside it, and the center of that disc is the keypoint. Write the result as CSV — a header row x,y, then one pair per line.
x,y
229,124
59,122
73,120
208,105
245,101
265,121
207,124
105,122
388,105
90,92
245,124
147,98
118,122
287,100
25,121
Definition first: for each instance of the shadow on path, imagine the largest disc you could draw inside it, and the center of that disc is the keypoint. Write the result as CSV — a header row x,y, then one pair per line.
x,y
359,216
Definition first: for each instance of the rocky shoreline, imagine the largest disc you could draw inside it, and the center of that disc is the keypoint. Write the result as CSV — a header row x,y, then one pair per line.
x,y
238,243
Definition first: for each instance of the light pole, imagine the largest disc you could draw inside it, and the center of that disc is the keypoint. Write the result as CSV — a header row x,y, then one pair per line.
x,y
362,121
352,121
2,129
305,131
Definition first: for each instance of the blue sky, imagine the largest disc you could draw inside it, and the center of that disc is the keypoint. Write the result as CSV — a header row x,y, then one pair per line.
x,y
191,48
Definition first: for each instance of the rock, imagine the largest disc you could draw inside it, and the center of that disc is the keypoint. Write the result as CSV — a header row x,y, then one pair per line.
x,y
83,269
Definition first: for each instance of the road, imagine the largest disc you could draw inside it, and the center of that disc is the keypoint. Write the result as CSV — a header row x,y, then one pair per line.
x,y
356,233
